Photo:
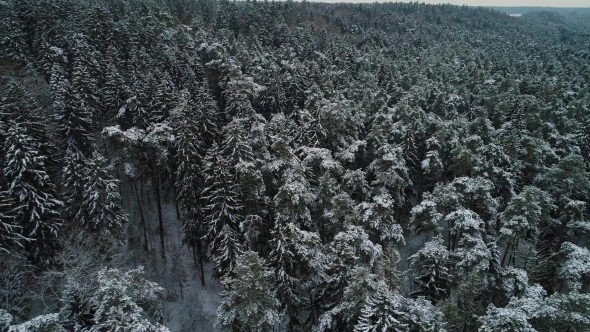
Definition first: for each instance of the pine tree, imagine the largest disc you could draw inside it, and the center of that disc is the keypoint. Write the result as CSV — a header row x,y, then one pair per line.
x,y
99,210
522,218
422,316
30,186
243,148
10,231
145,150
114,93
221,213
471,252
27,184
391,180
72,182
362,284
294,251
73,114
206,113
430,263
42,323
188,146
74,124
135,111
163,100
249,299
425,217
124,300
244,144
575,267
86,76
516,315
294,195
349,254
383,312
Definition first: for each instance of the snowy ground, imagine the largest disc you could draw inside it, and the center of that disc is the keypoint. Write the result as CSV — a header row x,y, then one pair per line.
x,y
196,310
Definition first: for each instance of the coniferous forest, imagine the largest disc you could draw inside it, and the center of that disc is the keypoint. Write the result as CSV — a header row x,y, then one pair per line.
x,y
208,165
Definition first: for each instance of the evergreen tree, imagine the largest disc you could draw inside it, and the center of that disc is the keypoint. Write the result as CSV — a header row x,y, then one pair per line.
x,y
28,189
29,184
430,262
86,76
189,180
100,211
249,299
383,312
124,300
73,115
114,93
346,312
42,323
10,232
221,213
244,145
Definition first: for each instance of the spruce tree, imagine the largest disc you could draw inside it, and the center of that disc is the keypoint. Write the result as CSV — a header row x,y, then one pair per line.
x,y
188,147
28,187
383,312
221,213
124,301
10,232
430,264
249,299
99,210
73,114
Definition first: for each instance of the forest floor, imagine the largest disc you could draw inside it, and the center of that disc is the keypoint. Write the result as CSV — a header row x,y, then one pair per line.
x,y
196,309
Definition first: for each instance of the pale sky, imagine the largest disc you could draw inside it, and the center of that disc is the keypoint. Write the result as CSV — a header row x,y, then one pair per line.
x,y
500,3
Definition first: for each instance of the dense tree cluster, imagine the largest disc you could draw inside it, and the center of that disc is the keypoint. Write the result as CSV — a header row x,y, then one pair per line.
x,y
382,167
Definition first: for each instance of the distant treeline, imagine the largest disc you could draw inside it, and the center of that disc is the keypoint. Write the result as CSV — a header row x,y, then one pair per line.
x,y
560,10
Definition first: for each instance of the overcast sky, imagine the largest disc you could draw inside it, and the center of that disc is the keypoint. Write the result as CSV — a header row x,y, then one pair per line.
x,y
512,3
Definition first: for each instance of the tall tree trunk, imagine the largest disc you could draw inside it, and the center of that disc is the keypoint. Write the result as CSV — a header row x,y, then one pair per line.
x,y
143,221
505,253
194,256
201,263
149,201
514,252
156,180
176,206
180,285
120,185
456,239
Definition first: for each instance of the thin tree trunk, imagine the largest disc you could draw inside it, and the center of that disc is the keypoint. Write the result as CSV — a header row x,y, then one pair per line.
x,y
505,253
120,184
143,222
455,240
156,181
178,218
449,233
180,285
513,254
194,256
149,200
201,263
177,208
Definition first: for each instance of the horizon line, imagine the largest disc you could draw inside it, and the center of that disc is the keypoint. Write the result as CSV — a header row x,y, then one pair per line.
x,y
436,4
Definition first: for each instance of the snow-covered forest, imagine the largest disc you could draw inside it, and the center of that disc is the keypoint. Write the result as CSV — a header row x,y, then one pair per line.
x,y
208,165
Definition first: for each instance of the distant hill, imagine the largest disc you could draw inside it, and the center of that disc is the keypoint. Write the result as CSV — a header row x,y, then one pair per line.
x,y
579,15
562,11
